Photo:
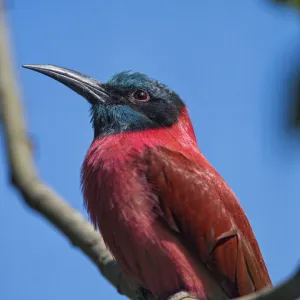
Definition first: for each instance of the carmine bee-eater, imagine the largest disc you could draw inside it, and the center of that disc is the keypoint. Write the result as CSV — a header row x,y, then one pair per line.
x,y
165,213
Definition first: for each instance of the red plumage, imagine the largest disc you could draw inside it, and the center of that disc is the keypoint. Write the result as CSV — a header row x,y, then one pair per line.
x,y
167,215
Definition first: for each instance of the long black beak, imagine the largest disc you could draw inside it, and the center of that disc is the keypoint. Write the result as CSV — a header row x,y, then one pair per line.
x,y
88,87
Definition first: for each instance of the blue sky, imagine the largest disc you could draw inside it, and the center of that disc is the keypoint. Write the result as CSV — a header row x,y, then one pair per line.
x,y
227,59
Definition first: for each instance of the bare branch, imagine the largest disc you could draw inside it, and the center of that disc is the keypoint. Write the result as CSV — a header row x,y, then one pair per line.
x,y
182,296
288,290
35,193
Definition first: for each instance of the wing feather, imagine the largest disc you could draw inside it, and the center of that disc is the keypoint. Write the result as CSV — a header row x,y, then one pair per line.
x,y
197,203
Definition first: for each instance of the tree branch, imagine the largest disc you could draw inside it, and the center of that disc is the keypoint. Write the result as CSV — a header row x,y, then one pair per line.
x,y
37,194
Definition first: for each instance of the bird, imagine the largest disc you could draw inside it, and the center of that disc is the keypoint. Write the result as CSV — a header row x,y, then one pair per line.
x,y
165,213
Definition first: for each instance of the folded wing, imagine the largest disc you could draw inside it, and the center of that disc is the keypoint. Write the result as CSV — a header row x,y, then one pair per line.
x,y
199,205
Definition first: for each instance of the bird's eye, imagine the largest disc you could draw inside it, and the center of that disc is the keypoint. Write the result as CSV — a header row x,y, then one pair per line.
x,y
140,95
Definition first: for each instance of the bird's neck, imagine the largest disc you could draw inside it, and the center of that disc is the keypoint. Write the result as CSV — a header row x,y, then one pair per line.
x,y
180,136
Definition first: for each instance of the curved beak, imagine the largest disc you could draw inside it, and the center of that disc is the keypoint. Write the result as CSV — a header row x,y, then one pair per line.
x,y
88,87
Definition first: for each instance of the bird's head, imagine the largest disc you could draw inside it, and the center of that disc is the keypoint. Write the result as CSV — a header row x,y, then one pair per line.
x,y
127,102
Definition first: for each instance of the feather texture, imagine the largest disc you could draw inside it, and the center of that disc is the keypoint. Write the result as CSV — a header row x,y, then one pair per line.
x,y
168,217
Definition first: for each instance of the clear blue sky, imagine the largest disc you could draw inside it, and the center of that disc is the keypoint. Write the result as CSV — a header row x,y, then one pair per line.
x,y
226,59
